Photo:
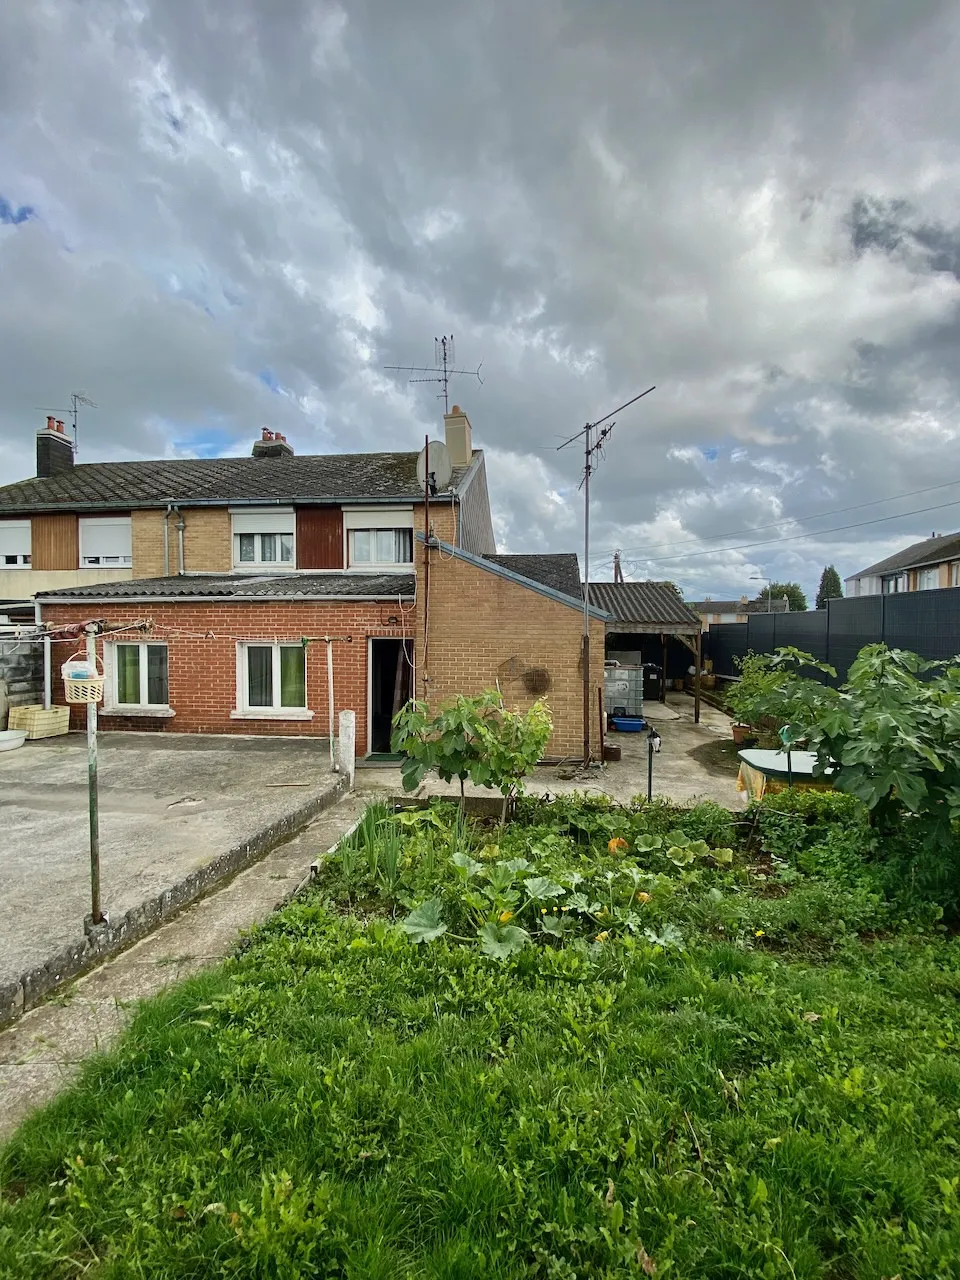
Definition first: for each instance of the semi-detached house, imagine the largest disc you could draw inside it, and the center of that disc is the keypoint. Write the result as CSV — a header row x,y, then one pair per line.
x,y
229,589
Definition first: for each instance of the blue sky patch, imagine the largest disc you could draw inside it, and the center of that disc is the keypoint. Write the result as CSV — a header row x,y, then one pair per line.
x,y
13,216
710,452
268,379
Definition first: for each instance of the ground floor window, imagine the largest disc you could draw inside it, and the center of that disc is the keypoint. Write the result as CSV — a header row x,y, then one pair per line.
x,y
138,674
272,677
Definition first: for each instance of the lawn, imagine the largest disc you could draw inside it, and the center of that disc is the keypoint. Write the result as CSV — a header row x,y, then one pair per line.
x,y
604,1042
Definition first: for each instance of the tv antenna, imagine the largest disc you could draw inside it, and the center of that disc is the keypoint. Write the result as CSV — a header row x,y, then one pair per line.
x,y
77,398
444,358
593,442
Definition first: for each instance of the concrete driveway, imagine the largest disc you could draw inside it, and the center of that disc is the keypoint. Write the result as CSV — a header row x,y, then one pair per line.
x,y
169,806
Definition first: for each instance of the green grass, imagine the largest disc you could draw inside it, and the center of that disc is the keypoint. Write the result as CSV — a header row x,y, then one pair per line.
x,y
773,1091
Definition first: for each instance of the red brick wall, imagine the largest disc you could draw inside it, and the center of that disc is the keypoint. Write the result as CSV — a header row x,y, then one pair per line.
x,y
203,667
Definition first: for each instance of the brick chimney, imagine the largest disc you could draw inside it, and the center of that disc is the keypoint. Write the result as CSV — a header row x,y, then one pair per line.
x,y
272,445
459,436
54,450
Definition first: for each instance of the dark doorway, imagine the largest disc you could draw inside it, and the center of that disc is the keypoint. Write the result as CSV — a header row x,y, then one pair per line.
x,y
391,685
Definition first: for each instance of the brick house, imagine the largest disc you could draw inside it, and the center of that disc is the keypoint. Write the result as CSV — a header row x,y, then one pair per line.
x,y
231,589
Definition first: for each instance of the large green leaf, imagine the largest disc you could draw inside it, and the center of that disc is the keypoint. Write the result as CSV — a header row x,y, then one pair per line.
x,y
466,865
502,940
424,924
543,889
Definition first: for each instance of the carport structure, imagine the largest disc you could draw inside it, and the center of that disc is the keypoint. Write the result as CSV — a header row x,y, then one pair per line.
x,y
642,611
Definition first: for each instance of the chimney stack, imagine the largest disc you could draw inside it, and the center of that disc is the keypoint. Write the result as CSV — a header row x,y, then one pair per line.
x,y
271,445
54,450
459,436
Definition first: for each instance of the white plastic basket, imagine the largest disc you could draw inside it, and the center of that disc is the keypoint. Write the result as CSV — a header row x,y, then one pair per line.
x,y
83,681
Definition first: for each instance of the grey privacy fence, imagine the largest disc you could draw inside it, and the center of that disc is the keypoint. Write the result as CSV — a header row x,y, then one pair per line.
x,y
926,622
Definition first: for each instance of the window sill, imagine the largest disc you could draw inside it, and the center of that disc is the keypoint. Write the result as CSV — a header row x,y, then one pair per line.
x,y
266,566
153,713
286,713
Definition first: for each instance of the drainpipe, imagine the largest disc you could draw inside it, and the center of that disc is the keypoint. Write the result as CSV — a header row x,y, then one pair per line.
x,y
47,673
166,541
181,525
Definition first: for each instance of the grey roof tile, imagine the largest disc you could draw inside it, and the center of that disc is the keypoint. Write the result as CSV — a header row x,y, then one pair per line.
x,y
560,570
946,546
329,477
645,603
289,586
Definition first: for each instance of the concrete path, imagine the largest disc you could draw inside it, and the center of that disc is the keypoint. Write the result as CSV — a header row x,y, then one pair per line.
x,y
40,1053
177,813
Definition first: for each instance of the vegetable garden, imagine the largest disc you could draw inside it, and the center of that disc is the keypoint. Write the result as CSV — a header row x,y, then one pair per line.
x,y
592,1042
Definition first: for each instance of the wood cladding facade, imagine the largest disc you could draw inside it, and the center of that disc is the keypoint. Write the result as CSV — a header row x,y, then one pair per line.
x,y
55,541
319,538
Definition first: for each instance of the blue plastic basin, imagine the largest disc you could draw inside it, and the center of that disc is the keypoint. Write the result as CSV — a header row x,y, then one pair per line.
x,y
628,724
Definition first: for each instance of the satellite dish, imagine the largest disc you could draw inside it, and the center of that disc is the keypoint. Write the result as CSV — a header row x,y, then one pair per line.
x,y
434,464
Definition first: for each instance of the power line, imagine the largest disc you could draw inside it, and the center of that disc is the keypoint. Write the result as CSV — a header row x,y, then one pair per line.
x,y
836,511
800,537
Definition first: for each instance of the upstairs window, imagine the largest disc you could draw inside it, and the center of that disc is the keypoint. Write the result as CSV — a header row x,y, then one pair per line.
x,y
14,544
928,579
370,548
955,574
893,584
264,538
263,548
106,542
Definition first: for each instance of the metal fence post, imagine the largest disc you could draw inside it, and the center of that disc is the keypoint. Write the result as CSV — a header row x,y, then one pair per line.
x,y
94,797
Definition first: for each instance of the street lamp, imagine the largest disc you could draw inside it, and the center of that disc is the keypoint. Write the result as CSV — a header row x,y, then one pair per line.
x,y
755,577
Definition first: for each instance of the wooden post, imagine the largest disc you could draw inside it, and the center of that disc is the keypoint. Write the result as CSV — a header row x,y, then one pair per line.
x,y
663,669
696,679
600,700
93,784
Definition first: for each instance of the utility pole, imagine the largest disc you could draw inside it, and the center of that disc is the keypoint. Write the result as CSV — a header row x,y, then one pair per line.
x,y
592,444
617,568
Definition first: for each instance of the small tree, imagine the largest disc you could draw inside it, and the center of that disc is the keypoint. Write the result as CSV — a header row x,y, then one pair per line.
x,y
475,738
792,590
830,587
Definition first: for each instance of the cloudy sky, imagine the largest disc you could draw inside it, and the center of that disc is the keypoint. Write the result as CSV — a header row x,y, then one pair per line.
x,y
217,216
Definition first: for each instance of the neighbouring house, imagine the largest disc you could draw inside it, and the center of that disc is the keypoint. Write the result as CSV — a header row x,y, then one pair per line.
x,y
233,592
924,566
712,611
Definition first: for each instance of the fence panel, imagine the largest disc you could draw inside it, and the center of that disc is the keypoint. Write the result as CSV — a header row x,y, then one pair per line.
x,y
926,622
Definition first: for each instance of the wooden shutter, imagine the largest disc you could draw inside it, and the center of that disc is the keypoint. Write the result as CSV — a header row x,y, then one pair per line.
x,y
319,538
55,544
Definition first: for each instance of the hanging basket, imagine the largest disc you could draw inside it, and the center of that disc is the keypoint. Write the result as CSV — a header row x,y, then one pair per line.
x,y
83,680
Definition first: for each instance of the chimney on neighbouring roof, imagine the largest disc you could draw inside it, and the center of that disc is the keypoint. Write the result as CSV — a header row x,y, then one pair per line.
x,y
271,445
459,436
54,450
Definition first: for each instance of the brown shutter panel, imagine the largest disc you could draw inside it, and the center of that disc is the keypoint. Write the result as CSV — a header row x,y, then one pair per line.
x,y
55,542
319,538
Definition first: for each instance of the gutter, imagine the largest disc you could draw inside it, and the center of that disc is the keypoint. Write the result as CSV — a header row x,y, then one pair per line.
x,y
48,601
23,510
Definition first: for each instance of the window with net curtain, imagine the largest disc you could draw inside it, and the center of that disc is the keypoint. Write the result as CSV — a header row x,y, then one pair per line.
x,y
275,676
381,546
140,675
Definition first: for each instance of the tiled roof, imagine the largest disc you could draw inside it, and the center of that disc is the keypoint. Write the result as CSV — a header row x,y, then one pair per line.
x,y
777,605
645,603
349,477
285,586
946,546
560,571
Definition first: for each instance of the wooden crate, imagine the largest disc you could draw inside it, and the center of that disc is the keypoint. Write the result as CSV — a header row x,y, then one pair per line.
x,y
40,723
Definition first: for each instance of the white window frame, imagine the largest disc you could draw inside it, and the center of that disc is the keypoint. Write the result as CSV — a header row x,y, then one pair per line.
x,y
111,703
243,710
369,519
112,560
389,566
901,583
19,534
955,574
259,522
922,574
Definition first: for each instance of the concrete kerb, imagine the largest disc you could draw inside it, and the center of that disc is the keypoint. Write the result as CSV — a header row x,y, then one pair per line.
x,y
107,939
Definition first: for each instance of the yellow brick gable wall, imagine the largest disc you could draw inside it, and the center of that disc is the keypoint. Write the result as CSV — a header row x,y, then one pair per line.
x,y
478,620
206,542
